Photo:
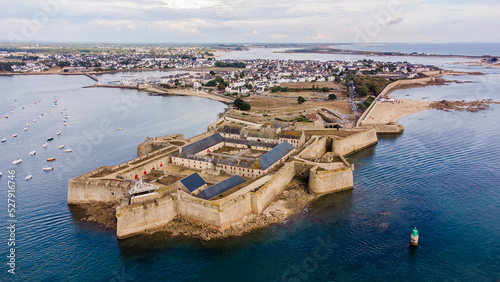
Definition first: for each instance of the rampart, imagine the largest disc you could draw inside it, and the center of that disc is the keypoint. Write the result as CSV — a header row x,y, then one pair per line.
x,y
265,195
329,181
135,219
355,143
316,150
81,191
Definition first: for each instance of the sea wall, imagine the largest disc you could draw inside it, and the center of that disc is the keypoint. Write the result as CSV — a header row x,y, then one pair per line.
x,y
81,191
329,181
354,143
389,88
392,128
265,195
197,209
217,216
135,219
234,210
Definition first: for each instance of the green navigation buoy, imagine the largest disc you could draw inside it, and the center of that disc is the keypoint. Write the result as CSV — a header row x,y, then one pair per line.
x,y
414,237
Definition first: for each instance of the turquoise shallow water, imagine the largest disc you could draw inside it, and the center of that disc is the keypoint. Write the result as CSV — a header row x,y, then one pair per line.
x,y
441,175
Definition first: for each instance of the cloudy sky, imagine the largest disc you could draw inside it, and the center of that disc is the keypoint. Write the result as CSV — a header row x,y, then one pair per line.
x,y
180,21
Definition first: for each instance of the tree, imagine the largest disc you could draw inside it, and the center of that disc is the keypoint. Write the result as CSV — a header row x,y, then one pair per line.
x,y
361,106
211,83
300,100
245,106
362,91
276,89
332,97
242,105
236,76
325,89
242,74
221,87
212,73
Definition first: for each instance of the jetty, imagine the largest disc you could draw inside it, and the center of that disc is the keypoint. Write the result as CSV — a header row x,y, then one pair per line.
x,y
91,76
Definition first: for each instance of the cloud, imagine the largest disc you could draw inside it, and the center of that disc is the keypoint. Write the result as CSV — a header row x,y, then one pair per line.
x,y
318,36
278,35
276,21
190,4
394,21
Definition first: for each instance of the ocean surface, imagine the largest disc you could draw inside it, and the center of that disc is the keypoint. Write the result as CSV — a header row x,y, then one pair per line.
x,y
442,175
280,53
465,49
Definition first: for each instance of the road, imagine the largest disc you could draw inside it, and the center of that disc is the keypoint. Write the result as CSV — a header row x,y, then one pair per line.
x,y
354,107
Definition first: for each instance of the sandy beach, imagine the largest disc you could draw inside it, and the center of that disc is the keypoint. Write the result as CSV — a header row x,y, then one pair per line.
x,y
387,112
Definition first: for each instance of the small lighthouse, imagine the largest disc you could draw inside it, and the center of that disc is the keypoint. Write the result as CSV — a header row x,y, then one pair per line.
x,y
414,237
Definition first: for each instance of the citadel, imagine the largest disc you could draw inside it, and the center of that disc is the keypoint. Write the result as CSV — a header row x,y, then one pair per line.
x,y
235,169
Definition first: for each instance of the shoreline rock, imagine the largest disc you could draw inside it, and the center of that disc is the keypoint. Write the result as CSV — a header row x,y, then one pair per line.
x,y
294,199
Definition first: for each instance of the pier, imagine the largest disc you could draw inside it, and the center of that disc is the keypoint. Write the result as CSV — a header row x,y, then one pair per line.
x,y
91,76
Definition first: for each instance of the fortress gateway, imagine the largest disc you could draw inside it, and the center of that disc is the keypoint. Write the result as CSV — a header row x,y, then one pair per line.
x,y
218,177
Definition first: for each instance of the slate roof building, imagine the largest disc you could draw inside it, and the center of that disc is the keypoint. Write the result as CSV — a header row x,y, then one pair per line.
x,y
275,156
197,155
221,187
230,131
202,145
295,138
193,182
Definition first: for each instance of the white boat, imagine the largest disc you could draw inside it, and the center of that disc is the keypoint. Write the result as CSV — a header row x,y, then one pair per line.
x,y
33,152
18,160
44,145
25,128
58,132
39,117
60,147
0,173
119,128
27,124
29,174
66,116
47,168
14,135
34,120
11,111
3,139
67,151
65,124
